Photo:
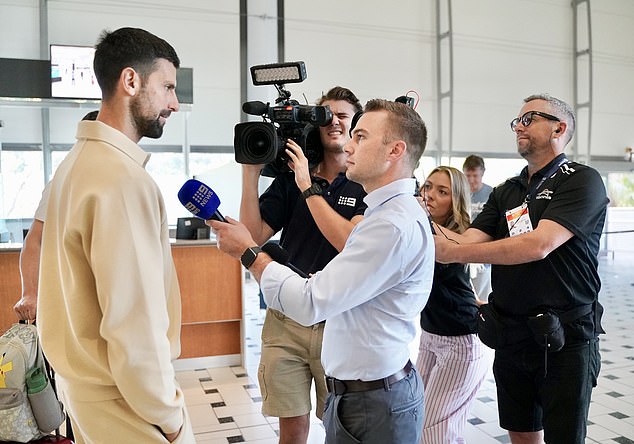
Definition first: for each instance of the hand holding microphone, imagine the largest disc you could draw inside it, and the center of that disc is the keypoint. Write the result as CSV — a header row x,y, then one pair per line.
x,y
232,237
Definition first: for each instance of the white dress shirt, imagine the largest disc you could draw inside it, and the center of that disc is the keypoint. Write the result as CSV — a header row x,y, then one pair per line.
x,y
371,293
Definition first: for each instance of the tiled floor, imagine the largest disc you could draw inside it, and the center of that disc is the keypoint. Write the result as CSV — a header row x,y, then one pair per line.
x,y
224,403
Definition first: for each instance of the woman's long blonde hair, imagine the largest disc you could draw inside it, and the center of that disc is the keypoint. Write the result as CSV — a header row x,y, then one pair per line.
x,y
460,218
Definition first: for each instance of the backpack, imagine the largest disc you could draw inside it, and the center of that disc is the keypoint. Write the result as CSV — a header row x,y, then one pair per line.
x,y
19,353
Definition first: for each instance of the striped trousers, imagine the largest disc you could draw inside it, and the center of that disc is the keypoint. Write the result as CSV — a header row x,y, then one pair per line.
x,y
452,369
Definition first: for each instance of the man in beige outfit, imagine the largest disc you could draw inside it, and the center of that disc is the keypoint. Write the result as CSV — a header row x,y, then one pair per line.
x,y
109,305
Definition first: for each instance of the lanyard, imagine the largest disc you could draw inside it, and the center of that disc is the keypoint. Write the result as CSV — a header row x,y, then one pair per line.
x,y
546,175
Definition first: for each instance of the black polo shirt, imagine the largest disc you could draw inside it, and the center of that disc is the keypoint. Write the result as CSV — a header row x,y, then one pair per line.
x,y
573,196
283,208
451,309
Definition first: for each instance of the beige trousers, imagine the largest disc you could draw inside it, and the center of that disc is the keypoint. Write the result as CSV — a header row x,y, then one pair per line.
x,y
113,421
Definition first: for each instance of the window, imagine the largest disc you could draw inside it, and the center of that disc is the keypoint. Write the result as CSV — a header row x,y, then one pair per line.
x,y
618,225
21,182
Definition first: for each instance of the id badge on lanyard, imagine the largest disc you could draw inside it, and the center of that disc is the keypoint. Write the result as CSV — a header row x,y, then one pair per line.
x,y
518,220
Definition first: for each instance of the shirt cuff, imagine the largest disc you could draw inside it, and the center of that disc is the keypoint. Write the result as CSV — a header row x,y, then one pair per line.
x,y
272,282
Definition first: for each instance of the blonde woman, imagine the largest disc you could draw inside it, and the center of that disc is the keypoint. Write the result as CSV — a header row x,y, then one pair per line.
x,y
451,359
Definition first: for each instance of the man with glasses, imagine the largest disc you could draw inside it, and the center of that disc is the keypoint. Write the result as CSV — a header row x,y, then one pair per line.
x,y
541,232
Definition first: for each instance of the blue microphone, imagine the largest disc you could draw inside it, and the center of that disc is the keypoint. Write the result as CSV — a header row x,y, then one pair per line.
x,y
200,200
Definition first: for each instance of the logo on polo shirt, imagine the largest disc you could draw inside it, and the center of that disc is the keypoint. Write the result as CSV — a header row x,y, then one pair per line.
x,y
545,194
567,169
347,201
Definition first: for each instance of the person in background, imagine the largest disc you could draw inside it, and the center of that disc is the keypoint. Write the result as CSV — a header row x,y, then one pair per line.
x,y
316,210
451,359
473,169
371,292
108,308
26,307
541,231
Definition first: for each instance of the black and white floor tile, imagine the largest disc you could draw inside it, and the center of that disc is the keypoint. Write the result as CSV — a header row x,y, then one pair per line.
x,y
224,403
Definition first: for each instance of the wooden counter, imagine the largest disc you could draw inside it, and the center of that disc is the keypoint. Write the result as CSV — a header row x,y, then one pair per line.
x,y
10,284
211,292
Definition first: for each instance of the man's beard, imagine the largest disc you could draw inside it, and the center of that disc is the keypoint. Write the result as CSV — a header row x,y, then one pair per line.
x,y
151,128
147,126
333,147
526,150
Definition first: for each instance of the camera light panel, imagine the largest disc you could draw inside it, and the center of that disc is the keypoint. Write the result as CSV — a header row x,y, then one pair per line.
x,y
278,73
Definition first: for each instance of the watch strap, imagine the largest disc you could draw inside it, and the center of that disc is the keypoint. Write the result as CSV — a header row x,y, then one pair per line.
x,y
249,256
313,190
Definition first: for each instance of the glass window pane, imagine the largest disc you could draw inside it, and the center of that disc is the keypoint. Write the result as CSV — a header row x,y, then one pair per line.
x,y
496,170
618,224
21,183
425,165
56,159
201,163
168,170
621,189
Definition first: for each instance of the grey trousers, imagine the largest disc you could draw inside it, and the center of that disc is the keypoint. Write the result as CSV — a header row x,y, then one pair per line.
x,y
377,416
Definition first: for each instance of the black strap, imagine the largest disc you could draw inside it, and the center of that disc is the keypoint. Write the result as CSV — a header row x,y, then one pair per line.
x,y
574,314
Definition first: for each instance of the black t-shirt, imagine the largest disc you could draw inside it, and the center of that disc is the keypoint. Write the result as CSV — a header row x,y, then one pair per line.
x,y
283,208
451,309
573,196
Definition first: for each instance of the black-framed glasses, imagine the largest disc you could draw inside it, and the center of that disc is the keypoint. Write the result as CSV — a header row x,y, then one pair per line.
x,y
527,118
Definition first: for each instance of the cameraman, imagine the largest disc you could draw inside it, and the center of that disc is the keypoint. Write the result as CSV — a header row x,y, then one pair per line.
x,y
316,211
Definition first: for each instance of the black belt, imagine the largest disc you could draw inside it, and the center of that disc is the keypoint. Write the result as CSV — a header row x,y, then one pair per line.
x,y
339,387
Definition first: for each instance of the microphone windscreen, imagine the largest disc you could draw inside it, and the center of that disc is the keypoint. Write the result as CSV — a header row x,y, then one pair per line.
x,y
277,253
199,199
255,108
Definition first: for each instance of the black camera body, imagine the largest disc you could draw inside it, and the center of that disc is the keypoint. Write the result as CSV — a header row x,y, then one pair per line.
x,y
265,142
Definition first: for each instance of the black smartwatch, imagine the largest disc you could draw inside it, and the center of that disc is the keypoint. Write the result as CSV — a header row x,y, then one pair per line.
x,y
314,190
249,256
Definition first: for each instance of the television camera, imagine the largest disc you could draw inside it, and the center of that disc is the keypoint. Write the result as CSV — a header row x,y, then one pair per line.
x,y
265,142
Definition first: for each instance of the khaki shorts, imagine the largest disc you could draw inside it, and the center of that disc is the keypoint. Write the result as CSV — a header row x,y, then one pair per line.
x,y
291,359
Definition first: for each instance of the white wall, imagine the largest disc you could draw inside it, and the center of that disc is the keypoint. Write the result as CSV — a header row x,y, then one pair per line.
x,y
613,40
204,34
504,50
377,49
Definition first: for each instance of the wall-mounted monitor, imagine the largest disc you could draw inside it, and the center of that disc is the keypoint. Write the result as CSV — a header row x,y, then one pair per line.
x,y
72,75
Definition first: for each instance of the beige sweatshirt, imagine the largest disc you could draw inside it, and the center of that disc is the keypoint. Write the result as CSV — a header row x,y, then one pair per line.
x,y
109,308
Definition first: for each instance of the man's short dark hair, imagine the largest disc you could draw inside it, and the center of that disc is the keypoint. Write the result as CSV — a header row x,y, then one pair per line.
x,y
473,162
341,93
403,123
128,47
92,115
